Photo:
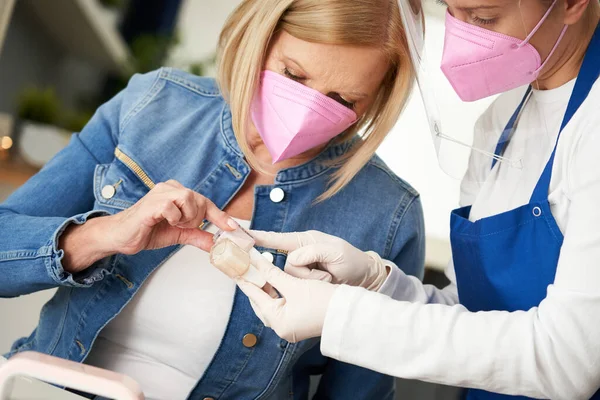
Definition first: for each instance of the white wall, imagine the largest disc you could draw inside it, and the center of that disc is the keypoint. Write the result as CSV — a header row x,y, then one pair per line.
x,y
199,25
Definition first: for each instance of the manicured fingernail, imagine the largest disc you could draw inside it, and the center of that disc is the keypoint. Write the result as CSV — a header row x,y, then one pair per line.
x,y
233,224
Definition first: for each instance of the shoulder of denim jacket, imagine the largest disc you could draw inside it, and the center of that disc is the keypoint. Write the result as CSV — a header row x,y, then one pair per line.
x,y
377,170
202,85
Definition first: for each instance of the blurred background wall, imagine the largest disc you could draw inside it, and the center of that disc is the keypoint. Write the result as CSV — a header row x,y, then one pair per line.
x,y
61,59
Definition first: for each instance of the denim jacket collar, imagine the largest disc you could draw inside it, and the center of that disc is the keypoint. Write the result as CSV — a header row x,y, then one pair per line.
x,y
298,174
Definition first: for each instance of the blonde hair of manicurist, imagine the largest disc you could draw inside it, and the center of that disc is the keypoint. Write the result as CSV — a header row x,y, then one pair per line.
x,y
245,39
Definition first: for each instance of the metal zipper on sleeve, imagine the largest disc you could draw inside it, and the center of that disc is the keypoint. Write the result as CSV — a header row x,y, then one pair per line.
x,y
133,166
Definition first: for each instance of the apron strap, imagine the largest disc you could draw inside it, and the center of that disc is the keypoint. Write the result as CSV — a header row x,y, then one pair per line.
x,y
510,127
590,70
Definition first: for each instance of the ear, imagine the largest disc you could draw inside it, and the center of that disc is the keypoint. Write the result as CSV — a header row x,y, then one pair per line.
x,y
574,10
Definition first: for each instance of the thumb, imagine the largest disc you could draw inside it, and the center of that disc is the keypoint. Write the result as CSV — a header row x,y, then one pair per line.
x,y
256,295
196,237
261,302
308,273
276,277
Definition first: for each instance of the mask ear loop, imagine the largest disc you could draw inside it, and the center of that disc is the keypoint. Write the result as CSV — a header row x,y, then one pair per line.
x,y
528,38
535,29
562,33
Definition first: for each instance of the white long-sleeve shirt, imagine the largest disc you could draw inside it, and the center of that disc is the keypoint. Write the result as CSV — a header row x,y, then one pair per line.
x,y
550,351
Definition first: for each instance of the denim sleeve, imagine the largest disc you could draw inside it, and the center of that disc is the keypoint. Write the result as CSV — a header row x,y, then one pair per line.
x,y
34,216
408,249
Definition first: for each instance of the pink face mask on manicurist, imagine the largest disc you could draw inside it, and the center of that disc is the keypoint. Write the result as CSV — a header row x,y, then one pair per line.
x,y
292,118
480,63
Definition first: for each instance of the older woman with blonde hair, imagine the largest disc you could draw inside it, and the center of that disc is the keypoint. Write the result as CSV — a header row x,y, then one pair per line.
x,y
273,144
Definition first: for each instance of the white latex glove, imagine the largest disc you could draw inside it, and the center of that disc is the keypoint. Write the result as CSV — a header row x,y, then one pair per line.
x,y
317,255
300,313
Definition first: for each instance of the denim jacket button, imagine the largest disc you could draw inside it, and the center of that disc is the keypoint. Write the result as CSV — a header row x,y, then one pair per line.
x,y
277,195
208,398
269,256
249,340
108,191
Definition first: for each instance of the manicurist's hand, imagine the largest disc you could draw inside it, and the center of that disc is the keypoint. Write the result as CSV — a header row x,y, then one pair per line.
x,y
316,255
300,311
169,214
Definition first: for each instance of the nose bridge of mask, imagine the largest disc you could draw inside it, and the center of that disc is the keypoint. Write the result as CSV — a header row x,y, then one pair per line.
x,y
306,100
308,97
461,38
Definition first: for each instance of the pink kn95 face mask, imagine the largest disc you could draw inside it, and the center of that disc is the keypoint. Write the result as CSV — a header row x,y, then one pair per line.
x,y
292,118
479,63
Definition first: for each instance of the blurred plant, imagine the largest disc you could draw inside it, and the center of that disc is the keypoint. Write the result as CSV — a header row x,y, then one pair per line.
x,y
44,107
201,68
39,105
197,69
75,121
149,51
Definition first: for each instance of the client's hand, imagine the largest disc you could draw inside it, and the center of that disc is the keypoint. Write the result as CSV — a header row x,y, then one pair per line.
x,y
169,214
316,255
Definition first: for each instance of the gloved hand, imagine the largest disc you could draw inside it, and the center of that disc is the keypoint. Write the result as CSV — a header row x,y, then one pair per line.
x,y
300,313
316,255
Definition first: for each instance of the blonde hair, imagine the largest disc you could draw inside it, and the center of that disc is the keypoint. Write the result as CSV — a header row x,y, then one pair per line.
x,y
243,46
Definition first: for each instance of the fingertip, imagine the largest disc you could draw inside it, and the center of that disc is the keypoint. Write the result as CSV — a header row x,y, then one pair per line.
x,y
232,223
222,220
219,217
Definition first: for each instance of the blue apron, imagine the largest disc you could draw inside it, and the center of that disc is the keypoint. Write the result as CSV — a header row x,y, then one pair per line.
x,y
506,261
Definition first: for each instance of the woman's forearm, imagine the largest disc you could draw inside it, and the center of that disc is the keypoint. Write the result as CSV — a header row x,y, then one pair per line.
x,y
85,244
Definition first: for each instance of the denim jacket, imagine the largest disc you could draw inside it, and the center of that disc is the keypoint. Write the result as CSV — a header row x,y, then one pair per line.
x,y
171,125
